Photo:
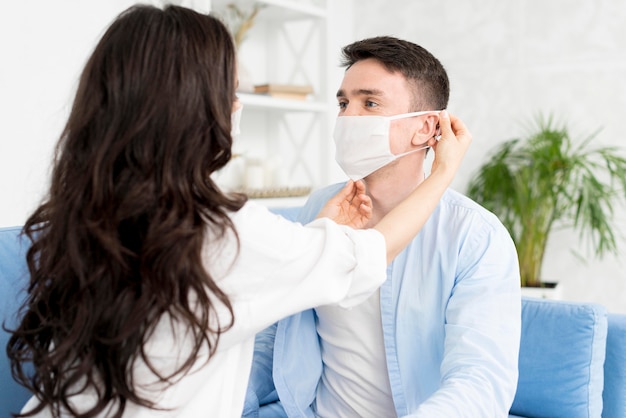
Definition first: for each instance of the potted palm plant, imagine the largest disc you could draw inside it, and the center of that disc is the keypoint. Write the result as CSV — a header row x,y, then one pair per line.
x,y
547,180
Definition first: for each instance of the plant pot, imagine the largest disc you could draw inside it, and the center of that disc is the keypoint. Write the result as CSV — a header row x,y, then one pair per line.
x,y
548,290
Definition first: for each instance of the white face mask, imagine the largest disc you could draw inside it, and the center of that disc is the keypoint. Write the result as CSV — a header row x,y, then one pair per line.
x,y
235,121
362,143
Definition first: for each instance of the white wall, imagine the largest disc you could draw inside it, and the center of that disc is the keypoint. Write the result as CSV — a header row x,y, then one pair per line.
x,y
508,60
44,45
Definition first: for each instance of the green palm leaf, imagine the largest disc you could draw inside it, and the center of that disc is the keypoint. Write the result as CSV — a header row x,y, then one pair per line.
x,y
547,180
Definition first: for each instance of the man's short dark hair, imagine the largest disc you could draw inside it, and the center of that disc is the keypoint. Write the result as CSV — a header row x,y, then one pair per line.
x,y
424,72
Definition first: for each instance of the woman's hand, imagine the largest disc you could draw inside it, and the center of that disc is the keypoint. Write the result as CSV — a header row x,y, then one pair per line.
x,y
351,206
450,149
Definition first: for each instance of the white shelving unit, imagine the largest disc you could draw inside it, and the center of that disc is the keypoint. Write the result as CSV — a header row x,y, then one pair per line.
x,y
290,139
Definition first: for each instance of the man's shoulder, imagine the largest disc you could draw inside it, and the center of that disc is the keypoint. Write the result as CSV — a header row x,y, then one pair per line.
x,y
460,217
454,203
468,231
453,197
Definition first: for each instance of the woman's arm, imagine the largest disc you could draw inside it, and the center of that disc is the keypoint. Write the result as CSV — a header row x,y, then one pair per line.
x,y
404,221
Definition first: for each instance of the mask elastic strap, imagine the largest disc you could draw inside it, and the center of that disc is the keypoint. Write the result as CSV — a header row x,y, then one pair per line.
x,y
413,114
411,152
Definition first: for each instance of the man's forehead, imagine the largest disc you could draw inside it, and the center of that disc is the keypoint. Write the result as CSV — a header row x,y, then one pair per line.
x,y
372,79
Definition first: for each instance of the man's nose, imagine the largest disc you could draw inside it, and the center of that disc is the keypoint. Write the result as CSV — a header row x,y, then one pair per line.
x,y
351,110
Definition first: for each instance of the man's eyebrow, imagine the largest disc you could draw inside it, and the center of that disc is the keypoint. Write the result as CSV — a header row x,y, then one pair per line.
x,y
361,92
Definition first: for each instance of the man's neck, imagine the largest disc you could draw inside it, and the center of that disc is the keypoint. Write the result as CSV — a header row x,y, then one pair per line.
x,y
387,192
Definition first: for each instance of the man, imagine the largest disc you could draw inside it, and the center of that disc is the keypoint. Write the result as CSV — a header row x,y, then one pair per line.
x,y
441,336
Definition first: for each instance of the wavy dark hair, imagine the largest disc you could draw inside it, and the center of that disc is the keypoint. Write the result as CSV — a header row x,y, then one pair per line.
x,y
431,86
117,243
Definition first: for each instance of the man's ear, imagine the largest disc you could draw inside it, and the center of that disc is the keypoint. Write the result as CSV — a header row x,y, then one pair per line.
x,y
428,129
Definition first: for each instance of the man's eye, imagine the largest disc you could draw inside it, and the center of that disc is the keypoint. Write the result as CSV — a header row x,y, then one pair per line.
x,y
369,103
342,105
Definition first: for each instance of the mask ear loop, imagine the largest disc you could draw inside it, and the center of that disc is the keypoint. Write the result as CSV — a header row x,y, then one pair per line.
x,y
413,114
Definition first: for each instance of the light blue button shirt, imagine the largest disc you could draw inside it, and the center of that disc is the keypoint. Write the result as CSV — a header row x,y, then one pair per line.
x,y
451,317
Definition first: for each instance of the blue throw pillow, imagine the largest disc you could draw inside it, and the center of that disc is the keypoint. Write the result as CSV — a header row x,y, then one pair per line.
x,y
614,396
13,281
561,361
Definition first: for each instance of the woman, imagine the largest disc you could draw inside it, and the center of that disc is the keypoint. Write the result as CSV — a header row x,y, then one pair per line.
x,y
148,283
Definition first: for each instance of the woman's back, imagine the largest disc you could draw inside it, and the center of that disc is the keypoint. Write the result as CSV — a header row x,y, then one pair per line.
x,y
118,242
272,268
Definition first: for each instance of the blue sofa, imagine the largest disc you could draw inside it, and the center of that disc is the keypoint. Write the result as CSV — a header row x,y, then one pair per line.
x,y
572,355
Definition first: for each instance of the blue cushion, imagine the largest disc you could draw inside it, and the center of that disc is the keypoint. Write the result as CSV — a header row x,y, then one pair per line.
x,y
13,280
561,359
614,395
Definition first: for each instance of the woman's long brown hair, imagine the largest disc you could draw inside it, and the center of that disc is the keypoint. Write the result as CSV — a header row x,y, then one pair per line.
x,y
117,243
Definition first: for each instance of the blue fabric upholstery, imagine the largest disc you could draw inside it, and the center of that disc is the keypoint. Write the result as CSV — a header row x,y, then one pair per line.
x,y
562,355
614,395
13,279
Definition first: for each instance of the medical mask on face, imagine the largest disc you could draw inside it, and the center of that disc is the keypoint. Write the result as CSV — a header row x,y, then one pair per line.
x,y
235,121
362,143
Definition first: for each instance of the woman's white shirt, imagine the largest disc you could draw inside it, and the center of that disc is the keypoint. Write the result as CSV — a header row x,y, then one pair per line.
x,y
279,268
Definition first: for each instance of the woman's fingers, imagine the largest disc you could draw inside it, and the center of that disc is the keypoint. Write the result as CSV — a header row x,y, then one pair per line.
x,y
455,139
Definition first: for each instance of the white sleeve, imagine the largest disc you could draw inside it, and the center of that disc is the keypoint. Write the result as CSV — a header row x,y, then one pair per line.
x,y
282,267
